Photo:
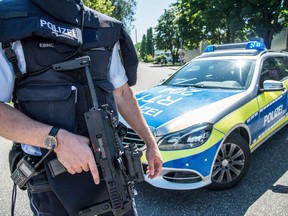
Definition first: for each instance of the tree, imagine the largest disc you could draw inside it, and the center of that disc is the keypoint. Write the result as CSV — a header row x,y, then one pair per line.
x,y
138,48
125,11
210,20
191,21
226,21
265,18
228,25
143,50
167,35
149,43
103,6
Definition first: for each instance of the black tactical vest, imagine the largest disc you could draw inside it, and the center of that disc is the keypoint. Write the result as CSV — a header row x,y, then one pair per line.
x,y
51,33
50,96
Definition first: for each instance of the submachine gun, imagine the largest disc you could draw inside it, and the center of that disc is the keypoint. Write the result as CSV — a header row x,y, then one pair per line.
x,y
120,165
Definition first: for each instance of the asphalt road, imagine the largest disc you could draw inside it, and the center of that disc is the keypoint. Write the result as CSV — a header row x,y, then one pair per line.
x,y
264,191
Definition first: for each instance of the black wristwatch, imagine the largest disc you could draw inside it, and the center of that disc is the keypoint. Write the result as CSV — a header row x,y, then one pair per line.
x,y
50,141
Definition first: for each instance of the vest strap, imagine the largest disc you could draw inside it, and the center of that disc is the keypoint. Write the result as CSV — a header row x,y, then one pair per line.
x,y
12,58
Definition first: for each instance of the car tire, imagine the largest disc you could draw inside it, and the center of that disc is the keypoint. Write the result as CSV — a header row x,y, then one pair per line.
x,y
231,164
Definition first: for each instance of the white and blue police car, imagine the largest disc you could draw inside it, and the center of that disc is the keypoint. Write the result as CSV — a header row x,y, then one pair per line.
x,y
213,112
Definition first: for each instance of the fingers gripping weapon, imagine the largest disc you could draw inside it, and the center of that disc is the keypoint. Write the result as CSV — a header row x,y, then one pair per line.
x,y
119,165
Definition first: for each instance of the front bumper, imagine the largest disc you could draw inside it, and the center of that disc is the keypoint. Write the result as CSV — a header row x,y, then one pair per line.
x,y
179,179
190,172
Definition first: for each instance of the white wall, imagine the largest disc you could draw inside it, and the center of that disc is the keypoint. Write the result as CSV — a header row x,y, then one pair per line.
x,y
280,41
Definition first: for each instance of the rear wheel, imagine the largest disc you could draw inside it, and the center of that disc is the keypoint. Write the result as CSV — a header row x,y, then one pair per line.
x,y
231,164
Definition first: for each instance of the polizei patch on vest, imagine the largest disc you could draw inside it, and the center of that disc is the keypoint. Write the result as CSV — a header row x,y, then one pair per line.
x,y
59,31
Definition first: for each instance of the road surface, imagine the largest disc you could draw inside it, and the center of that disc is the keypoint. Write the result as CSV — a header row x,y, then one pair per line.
x,y
264,191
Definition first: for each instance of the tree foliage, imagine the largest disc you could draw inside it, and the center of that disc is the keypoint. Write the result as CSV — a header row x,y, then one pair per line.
x,y
191,21
167,33
265,18
138,47
143,47
125,11
103,6
149,43
227,21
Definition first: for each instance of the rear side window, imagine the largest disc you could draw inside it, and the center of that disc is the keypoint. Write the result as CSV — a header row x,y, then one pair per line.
x,y
283,66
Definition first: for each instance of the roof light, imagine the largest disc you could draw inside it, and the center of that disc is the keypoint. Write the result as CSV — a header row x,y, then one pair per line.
x,y
256,45
210,48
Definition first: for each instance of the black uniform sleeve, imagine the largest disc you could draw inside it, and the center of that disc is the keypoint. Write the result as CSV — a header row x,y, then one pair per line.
x,y
129,56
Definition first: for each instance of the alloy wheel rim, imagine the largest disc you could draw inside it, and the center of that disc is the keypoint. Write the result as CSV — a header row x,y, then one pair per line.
x,y
229,163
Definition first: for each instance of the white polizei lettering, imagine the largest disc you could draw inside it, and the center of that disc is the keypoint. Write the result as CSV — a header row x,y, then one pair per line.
x,y
149,100
168,101
42,22
143,97
272,115
51,26
71,32
150,111
144,108
152,100
157,113
57,29
159,100
66,31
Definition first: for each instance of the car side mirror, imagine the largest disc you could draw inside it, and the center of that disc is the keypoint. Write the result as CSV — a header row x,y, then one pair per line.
x,y
272,85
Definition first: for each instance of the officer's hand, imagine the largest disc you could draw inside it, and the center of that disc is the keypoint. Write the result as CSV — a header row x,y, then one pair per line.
x,y
155,161
75,154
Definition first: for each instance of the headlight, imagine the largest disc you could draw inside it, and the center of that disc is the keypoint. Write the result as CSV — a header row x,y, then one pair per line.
x,y
191,137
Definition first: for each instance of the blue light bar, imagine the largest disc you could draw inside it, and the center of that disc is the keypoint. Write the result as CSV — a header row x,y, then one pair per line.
x,y
210,48
256,45
252,45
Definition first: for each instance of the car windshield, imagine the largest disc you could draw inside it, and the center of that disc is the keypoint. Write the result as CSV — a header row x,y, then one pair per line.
x,y
214,73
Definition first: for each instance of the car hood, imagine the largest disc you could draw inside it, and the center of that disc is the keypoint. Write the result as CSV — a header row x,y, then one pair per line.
x,y
169,108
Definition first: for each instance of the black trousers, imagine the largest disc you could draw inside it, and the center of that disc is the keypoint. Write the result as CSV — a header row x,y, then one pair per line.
x,y
44,202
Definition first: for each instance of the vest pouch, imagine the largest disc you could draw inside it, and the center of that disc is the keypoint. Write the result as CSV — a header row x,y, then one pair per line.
x,y
52,104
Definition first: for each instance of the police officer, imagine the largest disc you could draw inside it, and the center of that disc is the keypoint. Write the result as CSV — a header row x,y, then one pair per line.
x,y
72,148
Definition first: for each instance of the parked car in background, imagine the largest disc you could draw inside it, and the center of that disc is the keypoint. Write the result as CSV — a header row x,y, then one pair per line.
x,y
211,114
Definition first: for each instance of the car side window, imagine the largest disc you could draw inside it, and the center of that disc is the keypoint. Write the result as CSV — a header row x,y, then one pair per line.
x,y
283,66
270,71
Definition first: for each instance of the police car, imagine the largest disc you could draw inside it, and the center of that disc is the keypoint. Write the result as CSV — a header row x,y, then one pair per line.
x,y
211,114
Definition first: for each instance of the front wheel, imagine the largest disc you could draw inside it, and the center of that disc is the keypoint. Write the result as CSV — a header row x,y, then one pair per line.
x,y
231,164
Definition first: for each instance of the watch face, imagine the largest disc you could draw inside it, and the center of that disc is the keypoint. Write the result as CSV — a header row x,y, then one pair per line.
x,y
50,142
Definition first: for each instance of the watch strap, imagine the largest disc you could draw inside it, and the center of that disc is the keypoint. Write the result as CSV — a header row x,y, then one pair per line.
x,y
53,132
